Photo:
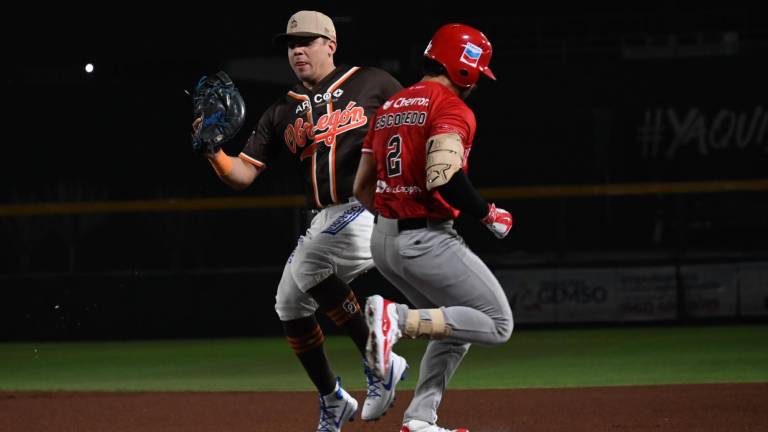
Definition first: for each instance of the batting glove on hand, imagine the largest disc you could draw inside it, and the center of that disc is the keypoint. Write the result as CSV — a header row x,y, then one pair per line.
x,y
499,221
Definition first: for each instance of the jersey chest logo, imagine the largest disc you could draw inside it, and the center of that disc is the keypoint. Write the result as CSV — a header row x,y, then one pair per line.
x,y
328,127
319,98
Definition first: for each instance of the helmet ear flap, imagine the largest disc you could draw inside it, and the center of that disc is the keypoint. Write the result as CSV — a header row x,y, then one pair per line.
x,y
464,51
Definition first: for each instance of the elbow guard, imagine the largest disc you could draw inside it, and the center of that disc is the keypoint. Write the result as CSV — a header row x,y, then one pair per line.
x,y
445,156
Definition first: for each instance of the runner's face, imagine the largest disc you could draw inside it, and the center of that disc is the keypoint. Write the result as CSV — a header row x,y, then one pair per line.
x,y
464,93
311,58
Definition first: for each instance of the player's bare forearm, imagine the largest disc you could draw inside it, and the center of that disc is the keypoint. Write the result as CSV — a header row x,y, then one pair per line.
x,y
233,171
365,181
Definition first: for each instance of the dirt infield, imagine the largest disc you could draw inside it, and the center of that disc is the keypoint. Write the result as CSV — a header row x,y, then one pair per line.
x,y
700,408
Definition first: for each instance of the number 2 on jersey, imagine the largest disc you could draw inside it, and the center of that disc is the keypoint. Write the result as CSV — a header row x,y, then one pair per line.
x,y
394,161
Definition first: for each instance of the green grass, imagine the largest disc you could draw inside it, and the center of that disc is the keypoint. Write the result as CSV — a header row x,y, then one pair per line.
x,y
563,358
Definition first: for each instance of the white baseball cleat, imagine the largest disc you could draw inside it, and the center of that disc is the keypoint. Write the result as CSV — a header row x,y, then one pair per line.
x,y
335,409
383,333
381,392
422,426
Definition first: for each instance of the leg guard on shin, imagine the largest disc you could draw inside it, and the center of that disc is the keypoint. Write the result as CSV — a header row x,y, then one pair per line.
x,y
429,323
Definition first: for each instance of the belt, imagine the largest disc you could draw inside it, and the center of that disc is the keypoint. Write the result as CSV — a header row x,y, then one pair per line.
x,y
408,224
351,199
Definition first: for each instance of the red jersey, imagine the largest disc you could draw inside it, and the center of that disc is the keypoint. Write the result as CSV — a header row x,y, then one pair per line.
x,y
397,138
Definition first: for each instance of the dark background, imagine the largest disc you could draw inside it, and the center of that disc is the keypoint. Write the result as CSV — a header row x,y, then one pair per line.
x,y
576,102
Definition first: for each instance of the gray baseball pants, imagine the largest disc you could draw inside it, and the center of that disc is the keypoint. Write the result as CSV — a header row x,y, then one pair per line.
x,y
433,267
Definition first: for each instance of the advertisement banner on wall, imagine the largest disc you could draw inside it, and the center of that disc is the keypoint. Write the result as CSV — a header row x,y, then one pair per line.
x,y
710,290
523,288
573,295
753,289
647,293
582,295
591,295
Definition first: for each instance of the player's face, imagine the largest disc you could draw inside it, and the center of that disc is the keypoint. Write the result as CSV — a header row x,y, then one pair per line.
x,y
311,58
464,94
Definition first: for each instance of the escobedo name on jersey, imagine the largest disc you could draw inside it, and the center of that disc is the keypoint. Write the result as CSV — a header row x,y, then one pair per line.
x,y
405,118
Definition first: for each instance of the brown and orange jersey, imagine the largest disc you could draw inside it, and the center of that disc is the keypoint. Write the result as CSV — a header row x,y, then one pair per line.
x,y
324,129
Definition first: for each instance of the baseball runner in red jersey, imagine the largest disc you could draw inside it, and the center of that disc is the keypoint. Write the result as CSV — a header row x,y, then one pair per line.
x,y
413,176
322,122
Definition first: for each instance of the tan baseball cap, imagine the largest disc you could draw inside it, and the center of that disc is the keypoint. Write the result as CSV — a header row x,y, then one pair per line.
x,y
308,23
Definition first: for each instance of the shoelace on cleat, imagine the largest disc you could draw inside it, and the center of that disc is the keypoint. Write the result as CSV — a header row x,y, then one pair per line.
x,y
326,417
374,383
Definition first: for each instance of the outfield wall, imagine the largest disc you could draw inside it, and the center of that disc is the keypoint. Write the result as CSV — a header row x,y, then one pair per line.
x,y
632,293
239,302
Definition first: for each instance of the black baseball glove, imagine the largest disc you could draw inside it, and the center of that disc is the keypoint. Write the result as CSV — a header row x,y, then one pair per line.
x,y
219,112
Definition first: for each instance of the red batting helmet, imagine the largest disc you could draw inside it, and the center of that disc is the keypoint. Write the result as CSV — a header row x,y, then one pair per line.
x,y
464,51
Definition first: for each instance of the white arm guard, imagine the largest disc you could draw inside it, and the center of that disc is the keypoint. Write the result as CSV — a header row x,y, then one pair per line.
x,y
445,156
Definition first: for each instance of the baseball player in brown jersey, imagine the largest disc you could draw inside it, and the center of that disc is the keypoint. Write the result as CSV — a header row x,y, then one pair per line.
x,y
413,176
322,122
